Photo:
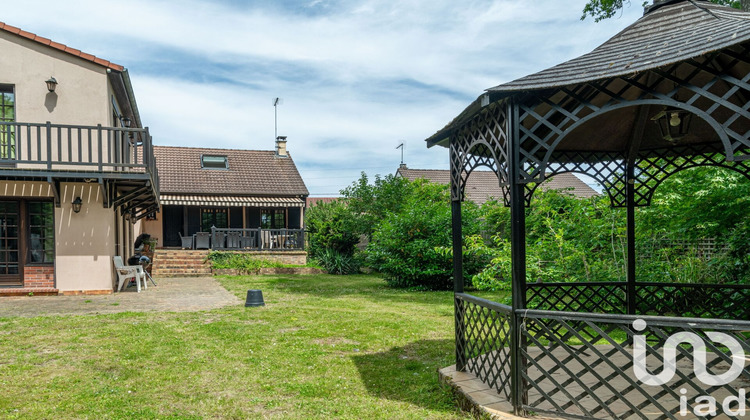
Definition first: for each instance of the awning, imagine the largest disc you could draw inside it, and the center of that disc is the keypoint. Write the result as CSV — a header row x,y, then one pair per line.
x,y
230,201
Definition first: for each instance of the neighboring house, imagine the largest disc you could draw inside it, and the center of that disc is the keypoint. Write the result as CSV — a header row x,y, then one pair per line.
x,y
203,188
75,180
483,185
314,201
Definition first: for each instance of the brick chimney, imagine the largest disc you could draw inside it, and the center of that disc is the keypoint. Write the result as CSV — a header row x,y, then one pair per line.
x,y
281,147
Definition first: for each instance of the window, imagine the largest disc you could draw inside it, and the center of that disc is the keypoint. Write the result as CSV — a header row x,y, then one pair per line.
x,y
41,232
7,115
214,162
273,219
217,217
9,237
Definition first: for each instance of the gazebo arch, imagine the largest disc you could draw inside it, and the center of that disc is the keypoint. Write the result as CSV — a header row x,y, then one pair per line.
x,y
566,348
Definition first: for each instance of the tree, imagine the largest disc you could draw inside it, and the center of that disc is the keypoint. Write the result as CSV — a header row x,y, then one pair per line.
x,y
605,9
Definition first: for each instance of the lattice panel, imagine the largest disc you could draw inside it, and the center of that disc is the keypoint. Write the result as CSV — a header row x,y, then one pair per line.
x,y
587,372
607,298
481,142
483,341
698,86
694,300
663,163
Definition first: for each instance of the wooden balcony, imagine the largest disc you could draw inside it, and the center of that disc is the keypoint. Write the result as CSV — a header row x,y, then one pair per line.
x,y
121,160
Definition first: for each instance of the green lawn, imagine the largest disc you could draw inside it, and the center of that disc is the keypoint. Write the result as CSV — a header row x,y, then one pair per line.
x,y
322,347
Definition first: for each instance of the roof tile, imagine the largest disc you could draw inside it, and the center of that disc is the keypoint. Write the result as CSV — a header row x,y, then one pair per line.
x,y
251,172
483,185
58,46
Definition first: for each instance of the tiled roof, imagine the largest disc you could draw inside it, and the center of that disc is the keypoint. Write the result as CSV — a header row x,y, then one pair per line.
x,y
483,185
314,201
251,172
62,47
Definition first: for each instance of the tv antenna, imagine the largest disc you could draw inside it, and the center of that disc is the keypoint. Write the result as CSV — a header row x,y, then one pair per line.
x,y
276,102
401,146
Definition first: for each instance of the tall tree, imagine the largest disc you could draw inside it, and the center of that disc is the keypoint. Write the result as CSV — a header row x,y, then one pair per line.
x,y
605,9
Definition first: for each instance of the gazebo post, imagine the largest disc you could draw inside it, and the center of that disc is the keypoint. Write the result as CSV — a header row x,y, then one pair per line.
x,y
458,282
458,271
630,269
518,256
636,137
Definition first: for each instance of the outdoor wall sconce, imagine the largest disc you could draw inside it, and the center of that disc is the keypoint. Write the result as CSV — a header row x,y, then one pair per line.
x,y
673,123
77,205
125,121
51,84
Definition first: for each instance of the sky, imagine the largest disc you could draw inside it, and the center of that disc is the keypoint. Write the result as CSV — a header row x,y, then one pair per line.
x,y
356,77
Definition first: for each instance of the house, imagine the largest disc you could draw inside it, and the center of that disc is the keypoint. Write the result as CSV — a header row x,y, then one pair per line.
x,y
483,185
235,191
314,201
76,167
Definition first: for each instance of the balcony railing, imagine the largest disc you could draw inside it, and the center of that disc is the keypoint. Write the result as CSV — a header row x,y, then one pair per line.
x,y
76,148
257,239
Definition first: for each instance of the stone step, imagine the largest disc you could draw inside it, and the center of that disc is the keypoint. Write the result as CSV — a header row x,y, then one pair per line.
x,y
180,263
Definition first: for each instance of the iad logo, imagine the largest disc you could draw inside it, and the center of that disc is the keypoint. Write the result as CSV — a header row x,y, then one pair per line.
x,y
706,404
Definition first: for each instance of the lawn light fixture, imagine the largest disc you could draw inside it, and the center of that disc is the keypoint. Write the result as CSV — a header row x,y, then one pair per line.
x,y
51,84
77,205
674,123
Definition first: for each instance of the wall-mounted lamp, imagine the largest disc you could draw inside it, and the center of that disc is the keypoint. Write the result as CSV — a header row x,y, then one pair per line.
x,y
125,121
674,123
51,84
77,205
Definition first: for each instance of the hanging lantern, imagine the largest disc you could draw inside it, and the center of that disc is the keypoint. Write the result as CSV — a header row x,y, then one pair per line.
x,y
674,123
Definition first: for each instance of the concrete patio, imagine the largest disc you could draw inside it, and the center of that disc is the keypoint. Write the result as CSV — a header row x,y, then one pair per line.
x,y
171,295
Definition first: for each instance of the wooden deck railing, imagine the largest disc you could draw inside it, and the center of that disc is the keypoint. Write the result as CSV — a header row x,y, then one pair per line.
x,y
258,239
58,147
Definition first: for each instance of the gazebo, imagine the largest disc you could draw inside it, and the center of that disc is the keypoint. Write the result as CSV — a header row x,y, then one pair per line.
x,y
668,93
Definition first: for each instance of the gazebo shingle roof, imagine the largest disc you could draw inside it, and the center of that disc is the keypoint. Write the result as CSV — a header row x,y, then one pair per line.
x,y
251,172
672,32
695,28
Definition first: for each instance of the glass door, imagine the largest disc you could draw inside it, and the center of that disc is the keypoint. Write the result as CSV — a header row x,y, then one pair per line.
x,y
10,269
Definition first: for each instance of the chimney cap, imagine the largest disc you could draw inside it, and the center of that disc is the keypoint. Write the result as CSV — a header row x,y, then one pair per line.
x,y
281,138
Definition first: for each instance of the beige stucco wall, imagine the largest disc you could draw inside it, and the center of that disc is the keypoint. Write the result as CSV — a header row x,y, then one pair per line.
x,y
87,241
84,242
154,228
82,96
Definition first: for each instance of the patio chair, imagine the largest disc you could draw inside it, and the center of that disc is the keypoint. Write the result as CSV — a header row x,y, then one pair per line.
x,y
266,239
233,240
247,242
187,242
203,240
127,272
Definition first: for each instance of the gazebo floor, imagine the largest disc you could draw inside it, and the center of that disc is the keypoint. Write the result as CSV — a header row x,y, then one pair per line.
x,y
477,397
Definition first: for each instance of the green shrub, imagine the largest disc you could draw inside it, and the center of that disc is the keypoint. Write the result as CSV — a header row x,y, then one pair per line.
x,y
329,227
245,263
410,247
335,262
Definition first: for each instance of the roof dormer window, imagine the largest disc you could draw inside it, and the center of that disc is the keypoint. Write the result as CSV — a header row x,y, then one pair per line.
x,y
214,162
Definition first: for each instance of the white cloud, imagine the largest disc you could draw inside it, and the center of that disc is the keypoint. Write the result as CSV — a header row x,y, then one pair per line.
x,y
357,76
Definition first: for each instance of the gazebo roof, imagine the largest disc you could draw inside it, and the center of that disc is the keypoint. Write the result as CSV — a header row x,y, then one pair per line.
x,y
670,32
666,35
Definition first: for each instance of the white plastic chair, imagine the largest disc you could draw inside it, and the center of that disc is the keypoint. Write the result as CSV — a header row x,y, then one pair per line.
x,y
127,272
